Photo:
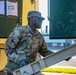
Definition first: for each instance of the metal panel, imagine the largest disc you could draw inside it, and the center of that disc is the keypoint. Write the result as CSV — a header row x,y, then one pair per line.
x,y
47,61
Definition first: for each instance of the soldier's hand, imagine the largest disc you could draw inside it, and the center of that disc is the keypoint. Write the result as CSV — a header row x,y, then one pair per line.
x,y
22,63
68,59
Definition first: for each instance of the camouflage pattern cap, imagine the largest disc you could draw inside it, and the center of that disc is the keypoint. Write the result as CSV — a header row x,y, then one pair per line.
x,y
35,13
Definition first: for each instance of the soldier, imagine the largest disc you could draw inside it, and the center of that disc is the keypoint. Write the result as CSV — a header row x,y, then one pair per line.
x,y
24,42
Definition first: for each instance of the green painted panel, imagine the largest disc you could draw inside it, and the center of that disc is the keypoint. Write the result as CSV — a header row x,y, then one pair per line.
x,y
62,19
7,23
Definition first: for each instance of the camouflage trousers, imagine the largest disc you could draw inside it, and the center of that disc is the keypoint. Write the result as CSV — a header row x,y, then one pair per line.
x,y
9,73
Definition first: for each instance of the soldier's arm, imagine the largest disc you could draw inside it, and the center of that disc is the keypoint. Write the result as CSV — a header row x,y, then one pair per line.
x,y
11,43
43,49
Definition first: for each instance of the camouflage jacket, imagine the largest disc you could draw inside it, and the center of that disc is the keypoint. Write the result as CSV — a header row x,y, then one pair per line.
x,y
24,43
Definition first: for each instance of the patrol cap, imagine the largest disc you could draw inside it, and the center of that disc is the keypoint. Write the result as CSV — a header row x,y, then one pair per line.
x,y
35,13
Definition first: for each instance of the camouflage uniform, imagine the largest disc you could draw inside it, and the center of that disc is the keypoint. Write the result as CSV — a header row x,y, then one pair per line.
x,y
23,43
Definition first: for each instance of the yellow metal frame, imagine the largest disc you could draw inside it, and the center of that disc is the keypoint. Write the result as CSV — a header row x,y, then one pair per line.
x,y
27,6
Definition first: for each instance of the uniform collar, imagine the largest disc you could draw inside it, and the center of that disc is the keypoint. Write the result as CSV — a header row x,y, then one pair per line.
x,y
34,33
